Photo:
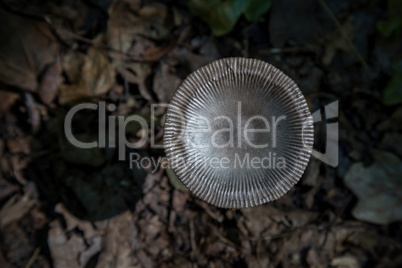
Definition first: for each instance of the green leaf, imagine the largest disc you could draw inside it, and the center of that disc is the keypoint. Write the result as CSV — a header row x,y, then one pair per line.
x,y
221,15
390,26
256,8
393,23
393,92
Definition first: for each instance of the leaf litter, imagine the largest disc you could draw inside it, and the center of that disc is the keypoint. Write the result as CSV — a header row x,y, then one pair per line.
x,y
65,207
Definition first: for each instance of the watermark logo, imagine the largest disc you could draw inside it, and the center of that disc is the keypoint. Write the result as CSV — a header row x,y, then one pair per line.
x,y
107,136
237,133
331,154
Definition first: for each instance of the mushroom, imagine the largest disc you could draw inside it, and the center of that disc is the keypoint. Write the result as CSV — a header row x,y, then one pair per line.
x,y
238,133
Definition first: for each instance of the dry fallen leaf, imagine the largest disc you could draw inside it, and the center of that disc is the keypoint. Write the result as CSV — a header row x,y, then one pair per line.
x,y
17,206
65,251
7,100
19,149
6,188
257,225
179,200
21,146
49,82
113,239
73,222
90,75
92,238
165,82
16,244
127,19
131,27
118,241
98,73
28,47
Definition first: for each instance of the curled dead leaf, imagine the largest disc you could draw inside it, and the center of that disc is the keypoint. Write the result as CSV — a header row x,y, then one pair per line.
x,y
90,75
28,47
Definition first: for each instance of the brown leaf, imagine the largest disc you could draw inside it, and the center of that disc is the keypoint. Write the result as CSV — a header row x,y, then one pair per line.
x,y
49,82
16,245
18,147
90,75
179,200
72,93
150,228
18,206
258,225
72,65
144,259
28,46
146,50
165,82
131,26
7,100
64,250
73,222
98,73
119,240
6,188
127,19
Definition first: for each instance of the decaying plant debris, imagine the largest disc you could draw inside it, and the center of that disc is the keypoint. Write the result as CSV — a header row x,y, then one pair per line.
x,y
65,207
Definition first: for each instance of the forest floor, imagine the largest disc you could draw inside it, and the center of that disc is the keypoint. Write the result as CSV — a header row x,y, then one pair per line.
x,y
61,206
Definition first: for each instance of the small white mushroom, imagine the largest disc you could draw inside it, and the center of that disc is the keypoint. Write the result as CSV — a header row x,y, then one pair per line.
x,y
238,133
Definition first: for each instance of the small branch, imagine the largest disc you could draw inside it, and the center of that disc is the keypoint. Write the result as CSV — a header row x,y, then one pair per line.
x,y
344,34
290,50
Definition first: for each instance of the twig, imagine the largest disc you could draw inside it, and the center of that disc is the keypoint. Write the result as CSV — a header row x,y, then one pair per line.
x,y
344,34
122,61
216,216
274,51
88,41
225,240
192,236
33,257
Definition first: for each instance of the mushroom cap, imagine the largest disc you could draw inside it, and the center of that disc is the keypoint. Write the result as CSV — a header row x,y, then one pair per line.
x,y
238,133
